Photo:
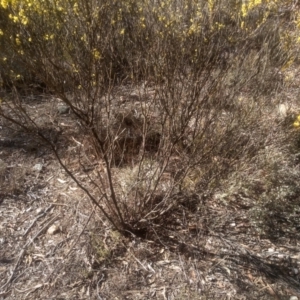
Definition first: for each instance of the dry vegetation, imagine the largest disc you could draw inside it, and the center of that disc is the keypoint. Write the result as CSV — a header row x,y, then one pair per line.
x,y
148,150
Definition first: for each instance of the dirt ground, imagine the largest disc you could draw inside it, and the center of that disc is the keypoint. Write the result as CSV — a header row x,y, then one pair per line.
x,y
54,244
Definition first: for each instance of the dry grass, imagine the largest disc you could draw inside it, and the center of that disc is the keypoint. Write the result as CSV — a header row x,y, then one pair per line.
x,y
222,242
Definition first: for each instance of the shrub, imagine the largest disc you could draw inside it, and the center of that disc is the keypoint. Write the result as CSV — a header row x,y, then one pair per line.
x,y
156,85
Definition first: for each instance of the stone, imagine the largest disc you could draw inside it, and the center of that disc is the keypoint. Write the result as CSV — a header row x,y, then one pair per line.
x,y
38,167
53,229
283,110
63,109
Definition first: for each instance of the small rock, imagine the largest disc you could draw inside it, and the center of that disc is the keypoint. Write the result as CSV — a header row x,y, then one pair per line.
x,y
53,229
38,210
295,271
63,109
294,298
283,110
38,167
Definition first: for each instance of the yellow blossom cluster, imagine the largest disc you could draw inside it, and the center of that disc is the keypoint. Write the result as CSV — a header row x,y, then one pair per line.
x,y
297,122
77,21
170,15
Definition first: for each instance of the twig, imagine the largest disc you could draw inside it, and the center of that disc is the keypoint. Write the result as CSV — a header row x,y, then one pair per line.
x,y
24,249
270,289
40,215
75,242
139,261
100,280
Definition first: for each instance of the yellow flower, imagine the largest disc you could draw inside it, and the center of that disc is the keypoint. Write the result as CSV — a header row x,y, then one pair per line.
x,y
75,8
122,31
210,5
4,3
96,54
14,18
296,124
48,37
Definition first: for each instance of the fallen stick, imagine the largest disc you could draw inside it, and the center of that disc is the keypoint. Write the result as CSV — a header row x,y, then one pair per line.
x,y
40,215
24,249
